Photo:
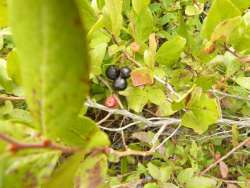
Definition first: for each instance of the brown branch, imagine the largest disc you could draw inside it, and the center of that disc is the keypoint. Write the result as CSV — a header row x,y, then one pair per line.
x,y
224,157
16,146
11,98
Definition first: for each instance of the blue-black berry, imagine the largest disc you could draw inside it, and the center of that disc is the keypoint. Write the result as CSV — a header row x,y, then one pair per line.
x,y
120,84
125,72
112,72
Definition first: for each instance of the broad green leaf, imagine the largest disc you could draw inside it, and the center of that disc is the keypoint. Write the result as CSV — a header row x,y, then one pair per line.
x,y
195,9
156,95
13,67
1,42
241,4
201,182
87,13
64,176
218,14
185,175
34,168
202,112
151,185
97,55
112,12
5,80
243,82
162,173
3,13
170,51
137,98
240,38
92,172
165,109
142,26
224,29
139,5
50,42
169,185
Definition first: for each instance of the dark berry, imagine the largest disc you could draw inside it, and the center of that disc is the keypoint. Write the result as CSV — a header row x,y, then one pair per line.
x,y
111,101
125,72
112,72
120,84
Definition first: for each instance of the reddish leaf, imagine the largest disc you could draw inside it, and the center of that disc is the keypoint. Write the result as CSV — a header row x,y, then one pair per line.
x,y
223,169
141,77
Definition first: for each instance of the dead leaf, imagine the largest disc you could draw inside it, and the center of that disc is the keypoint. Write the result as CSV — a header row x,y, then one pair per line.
x,y
141,77
143,136
223,169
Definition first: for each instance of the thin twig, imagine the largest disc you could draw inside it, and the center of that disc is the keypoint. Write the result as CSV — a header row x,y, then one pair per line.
x,y
224,157
166,139
11,98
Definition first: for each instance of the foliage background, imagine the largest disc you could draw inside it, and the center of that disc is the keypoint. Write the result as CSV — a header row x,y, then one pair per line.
x,y
186,106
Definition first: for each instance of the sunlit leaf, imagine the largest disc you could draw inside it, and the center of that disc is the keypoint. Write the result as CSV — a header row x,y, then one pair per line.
x,y
170,51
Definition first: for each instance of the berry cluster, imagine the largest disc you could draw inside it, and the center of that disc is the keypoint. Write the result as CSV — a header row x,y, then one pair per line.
x,y
119,76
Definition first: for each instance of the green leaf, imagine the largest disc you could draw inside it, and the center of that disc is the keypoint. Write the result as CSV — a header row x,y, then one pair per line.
x,y
243,82
162,173
192,10
51,54
137,99
139,5
202,112
112,12
5,80
13,67
224,29
165,109
169,185
170,51
151,185
156,95
87,13
185,175
34,168
64,176
3,13
218,14
201,182
241,4
92,172
142,26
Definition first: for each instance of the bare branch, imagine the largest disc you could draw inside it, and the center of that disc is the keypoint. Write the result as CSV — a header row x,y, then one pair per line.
x,y
224,157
